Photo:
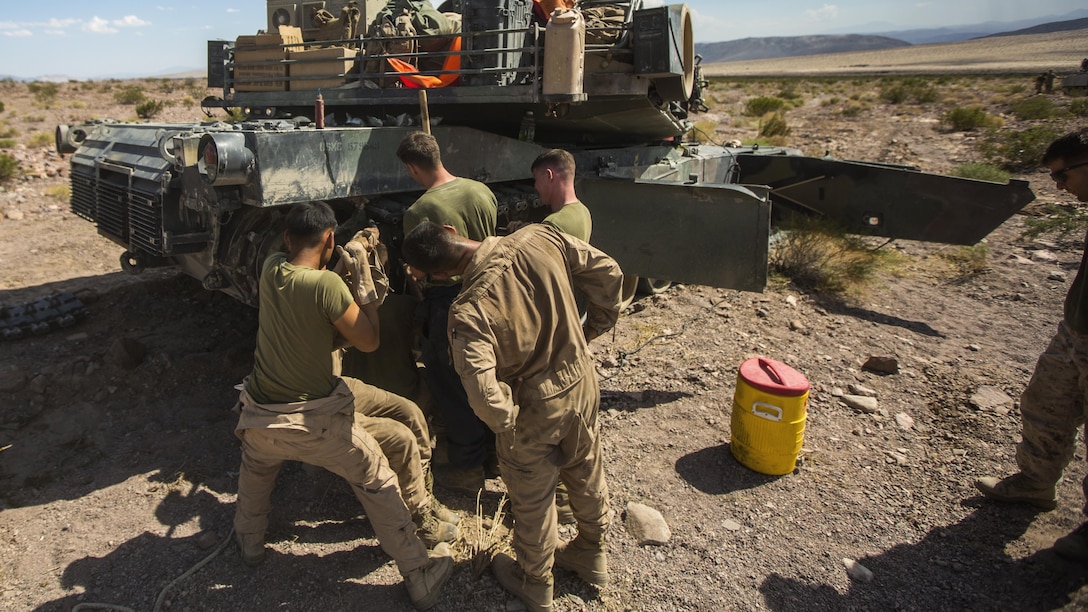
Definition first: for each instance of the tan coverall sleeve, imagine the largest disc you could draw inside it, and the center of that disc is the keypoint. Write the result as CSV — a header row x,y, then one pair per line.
x,y
473,351
599,277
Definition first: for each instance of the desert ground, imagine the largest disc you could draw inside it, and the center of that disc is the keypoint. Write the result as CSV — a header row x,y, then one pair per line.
x,y
118,464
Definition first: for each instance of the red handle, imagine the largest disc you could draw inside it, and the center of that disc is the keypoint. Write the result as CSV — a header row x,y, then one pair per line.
x,y
769,367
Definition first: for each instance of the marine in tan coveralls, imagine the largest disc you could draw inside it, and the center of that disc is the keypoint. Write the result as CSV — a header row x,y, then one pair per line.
x,y
294,408
523,356
1055,403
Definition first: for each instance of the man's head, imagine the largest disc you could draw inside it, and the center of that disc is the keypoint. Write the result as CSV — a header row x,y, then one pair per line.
x,y
420,149
310,225
434,249
1067,159
553,177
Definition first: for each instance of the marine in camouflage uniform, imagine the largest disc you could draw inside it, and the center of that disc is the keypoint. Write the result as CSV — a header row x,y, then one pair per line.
x,y
522,353
1055,404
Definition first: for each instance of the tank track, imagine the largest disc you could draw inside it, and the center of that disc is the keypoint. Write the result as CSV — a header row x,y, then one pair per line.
x,y
41,316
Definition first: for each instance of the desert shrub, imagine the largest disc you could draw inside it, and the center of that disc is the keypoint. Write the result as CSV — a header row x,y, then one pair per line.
x,y
7,131
830,101
77,104
148,109
813,253
1079,107
774,124
129,94
44,93
788,91
1035,107
967,118
59,192
757,107
702,131
1057,219
912,89
188,101
40,139
1,107
7,143
9,167
851,110
190,82
166,86
981,172
969,260
1020,150
105,87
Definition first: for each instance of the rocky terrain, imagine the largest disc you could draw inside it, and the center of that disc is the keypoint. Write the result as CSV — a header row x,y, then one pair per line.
x,y
118,465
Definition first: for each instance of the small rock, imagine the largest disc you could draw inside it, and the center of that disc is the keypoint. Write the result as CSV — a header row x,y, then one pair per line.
x,y
988,398
857,571
1043,255
857,389
731,525
881,365
837,392
1056,276
761,313
578,602
904,421
792,301
796,325
646,525
127,353
1020,260
974,348
862,403
77,337
610,362
14,214
207,539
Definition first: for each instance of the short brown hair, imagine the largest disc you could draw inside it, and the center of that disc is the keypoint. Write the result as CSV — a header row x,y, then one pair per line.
x,y
1069,148
430,248
420,149
558,160
308,221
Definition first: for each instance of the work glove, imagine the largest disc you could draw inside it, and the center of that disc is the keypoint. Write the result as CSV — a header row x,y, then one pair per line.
x,y
362,269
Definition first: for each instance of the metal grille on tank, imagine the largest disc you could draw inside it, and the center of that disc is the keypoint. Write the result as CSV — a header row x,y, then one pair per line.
x,y
145,221
112,204
83,201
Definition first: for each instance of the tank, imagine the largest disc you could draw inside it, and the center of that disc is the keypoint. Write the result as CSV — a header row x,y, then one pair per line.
x,y
210,198
1076,85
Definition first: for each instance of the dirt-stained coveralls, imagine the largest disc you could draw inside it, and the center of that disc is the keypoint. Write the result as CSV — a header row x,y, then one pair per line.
x,y
519,348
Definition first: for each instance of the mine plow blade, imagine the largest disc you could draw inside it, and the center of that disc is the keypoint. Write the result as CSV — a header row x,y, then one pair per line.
x,y
886,200
703,234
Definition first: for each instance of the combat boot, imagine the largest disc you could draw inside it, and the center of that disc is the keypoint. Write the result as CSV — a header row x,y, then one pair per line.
x,y
586,558
252,548
535,593
425,583
1018,488
1074,546
433,530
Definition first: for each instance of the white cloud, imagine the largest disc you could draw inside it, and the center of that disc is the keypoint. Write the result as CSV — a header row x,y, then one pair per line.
x,y
8,25
60,24
165,9
233,10
98,26
17,33
824,13
54,32
130,21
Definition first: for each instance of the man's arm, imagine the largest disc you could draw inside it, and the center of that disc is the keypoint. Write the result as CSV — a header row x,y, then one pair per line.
x,y
599,277
359,326
474,359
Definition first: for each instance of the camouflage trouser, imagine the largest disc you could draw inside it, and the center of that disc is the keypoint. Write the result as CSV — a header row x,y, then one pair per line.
x,y
1053,408
559,436
354,448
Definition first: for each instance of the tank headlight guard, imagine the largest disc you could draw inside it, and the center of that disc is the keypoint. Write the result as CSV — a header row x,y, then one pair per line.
x,y
224,159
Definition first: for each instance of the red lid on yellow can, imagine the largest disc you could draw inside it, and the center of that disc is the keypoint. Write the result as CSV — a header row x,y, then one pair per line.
x,y
774,377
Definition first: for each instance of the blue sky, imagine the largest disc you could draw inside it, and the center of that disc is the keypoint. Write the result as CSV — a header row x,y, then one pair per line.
x,y
88,39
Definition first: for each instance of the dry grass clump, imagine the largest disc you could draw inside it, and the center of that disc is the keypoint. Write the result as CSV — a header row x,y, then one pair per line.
x,y
815,254
968,260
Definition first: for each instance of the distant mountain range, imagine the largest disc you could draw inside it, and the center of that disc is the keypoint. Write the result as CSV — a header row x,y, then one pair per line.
x,y
747,49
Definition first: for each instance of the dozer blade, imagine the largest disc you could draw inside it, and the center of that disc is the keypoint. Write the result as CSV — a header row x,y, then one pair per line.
x,y
712,235
885,200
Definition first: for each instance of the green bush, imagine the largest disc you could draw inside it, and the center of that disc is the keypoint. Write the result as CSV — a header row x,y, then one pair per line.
x,y
148,109
1,107
814,253
130,94
1079,107
44,93
7,143
970,260
9,166
1058,219
851,110
774,124
40,139
789,91
982,172
1018,151
913,89
757,107
1035,107
965,119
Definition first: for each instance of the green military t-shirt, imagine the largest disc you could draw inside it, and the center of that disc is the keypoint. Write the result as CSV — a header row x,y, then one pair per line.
x,y
572,219
1076,301
295,340
464,204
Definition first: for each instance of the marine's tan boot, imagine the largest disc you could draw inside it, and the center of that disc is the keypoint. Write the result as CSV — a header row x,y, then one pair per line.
x,y
252,548
1018,488
535,593
433,530
586,558
425,583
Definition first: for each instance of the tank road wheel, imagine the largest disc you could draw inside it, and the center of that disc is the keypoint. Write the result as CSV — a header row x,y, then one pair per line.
x,y
132,263
653,286
678,88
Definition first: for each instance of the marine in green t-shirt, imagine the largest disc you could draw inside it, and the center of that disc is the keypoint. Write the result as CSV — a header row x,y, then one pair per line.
x,y
572,219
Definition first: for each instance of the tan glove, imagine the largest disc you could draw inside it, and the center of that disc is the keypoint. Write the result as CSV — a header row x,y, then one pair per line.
x,y
363,270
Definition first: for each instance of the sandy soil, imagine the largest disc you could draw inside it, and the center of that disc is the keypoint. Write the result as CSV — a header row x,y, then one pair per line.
x,y
115,478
